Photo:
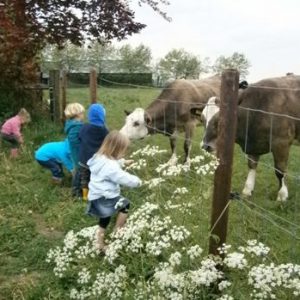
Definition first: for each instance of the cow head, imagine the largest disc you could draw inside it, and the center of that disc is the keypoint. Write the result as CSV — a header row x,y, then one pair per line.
x,y
209,142
136,123
210,109
207,111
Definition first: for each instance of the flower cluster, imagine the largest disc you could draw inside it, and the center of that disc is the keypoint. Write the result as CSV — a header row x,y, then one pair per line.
x,y
170,170
153,257
266,278
154,182
138,165
76,246
148,151
255,248
208,168
194,252
179,191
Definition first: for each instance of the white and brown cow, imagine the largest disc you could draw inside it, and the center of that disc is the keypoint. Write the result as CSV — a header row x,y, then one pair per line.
x,y
170,113
268,121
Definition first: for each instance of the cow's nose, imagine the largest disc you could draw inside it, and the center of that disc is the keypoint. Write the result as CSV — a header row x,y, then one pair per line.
x,y
206,147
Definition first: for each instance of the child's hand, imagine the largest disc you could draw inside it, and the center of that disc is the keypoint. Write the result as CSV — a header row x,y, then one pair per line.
x,y
128,162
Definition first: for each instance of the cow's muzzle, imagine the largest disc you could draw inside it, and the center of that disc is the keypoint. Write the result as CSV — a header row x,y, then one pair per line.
x,y
207,148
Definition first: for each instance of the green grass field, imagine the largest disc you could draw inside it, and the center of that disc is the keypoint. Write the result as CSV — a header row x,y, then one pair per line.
x,y
35,216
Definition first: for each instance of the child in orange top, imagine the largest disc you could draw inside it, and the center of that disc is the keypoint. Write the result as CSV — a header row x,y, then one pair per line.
x,y
11,131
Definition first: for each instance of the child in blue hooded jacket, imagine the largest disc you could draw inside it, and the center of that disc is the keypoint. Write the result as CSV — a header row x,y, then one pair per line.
x,y
91,137
74,113
53,156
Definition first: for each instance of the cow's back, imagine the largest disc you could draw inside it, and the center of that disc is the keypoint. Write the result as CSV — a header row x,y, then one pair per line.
x,y
273,109
179,96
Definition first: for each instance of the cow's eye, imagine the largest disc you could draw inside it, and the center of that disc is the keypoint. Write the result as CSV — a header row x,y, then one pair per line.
x,y
136,124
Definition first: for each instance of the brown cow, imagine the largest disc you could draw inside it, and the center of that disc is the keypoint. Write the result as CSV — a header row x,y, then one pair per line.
x,y
268,121
170,113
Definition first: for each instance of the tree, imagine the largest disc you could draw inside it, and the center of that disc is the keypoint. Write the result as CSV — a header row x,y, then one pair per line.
x,y
136,59
26,26
102,56
70,58
236,61
179,63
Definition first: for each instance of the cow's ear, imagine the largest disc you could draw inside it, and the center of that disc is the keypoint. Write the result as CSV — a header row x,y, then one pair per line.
x,y
147,118
243,85
127,112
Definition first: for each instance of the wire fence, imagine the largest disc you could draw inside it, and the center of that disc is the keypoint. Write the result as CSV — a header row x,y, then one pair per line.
x,y
283,219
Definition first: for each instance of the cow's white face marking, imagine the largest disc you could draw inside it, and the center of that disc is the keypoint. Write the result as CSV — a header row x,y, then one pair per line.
x,y
211,108
135,125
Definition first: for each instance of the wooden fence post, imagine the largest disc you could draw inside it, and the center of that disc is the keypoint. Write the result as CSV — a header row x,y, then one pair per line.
x,y
93,86
55,95
225,146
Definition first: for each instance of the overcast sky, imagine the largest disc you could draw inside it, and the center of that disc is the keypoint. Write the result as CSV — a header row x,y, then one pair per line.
x,y
266,31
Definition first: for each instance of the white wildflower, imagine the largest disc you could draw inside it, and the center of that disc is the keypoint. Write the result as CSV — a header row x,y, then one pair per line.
x,y
175,259
154,182
224,284
194,252
235,260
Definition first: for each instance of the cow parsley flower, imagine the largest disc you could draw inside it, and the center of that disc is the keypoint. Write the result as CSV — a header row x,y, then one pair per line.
x,y
175,259
235,260
153,182
179,191
84,276
138,165
224,284
194,252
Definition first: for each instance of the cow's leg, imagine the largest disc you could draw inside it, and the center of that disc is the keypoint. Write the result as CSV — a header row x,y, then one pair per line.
x,y
250,181
189,132
173,160
281,155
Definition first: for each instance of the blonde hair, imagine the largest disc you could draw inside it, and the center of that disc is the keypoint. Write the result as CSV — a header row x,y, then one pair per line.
x,y
114,145
73,109
24,114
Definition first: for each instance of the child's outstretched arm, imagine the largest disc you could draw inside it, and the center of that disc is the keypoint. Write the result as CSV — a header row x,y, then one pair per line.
x,y
124,178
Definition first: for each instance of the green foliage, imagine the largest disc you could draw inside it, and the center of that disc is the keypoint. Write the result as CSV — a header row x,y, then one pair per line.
x,y
35,216
12,99
235,61
134,60
69,58
179,63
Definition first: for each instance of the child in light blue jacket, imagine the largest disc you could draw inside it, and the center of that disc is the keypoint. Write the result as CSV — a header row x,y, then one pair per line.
x,y
53,156
104,186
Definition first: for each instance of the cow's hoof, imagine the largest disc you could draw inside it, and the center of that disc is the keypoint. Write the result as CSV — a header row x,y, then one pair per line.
x,y
172,162
247,192
282,194
187,164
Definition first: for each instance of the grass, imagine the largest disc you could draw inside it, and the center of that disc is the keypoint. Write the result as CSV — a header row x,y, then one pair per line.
x,y
35,216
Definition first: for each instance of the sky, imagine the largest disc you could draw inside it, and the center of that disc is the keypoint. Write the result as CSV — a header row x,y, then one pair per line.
x,y
267,32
